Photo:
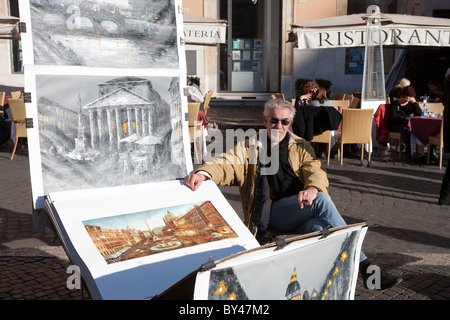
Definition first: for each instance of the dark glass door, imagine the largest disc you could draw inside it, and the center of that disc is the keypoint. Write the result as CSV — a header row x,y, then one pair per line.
x,y
249,61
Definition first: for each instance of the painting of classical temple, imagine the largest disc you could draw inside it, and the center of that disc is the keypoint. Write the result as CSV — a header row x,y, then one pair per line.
x,y
106,33
98,131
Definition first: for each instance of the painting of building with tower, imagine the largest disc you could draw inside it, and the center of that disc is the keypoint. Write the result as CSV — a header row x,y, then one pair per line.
x,y
299,277
110,131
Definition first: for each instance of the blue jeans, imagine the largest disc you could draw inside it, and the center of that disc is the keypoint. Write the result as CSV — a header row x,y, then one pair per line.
x,y
286,215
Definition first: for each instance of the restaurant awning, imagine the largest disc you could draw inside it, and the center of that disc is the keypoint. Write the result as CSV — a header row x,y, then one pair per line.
x,y
350,31
203,30
9,27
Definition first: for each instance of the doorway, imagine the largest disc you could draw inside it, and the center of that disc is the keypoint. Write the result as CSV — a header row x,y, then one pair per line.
x,y
250,59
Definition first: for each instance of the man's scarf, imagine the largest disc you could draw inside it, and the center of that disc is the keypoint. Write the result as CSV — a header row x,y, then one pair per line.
x,y
284,182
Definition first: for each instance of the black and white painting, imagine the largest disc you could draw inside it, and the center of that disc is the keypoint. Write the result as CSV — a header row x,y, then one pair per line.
x,y
105,33
103,77
103,131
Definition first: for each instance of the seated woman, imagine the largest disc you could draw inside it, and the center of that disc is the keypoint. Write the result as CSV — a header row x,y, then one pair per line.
x,y
320,99
395,91
310,89
405,107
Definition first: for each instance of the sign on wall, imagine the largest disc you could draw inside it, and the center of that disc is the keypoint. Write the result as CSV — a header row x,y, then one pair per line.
x,y
350,31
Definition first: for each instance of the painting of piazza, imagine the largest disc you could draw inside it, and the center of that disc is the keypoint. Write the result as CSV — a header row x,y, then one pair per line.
x,y
134,235
98,131
105,33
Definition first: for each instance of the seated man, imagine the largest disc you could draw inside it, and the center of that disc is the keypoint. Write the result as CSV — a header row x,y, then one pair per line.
x,y
288,194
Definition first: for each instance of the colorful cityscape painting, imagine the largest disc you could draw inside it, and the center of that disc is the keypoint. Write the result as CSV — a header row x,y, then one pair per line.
x,y
129,236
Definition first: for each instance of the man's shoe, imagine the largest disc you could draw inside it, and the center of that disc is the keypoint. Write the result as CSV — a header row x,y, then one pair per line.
x,y
389,280
386,280
444,202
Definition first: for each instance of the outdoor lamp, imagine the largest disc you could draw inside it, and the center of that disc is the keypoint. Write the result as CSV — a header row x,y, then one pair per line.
x,y
373,91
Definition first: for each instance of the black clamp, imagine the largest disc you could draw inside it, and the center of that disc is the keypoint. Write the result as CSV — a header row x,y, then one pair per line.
x,y
27,97
280,242
208,265
22,27
325,232
29,123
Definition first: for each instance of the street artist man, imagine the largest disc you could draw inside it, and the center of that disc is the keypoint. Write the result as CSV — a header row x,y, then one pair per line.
x,y
283,188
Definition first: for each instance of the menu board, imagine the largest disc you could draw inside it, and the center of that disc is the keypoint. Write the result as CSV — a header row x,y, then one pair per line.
x,y
247,54
247,65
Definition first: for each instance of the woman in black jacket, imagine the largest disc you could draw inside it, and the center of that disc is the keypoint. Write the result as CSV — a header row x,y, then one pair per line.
x,y
403,108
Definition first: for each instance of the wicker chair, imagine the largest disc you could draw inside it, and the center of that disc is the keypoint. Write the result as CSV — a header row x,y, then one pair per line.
x,y
342,103
16,95
17,107
324,137
2,98
435,107
356,128
207,100
278,96
195,129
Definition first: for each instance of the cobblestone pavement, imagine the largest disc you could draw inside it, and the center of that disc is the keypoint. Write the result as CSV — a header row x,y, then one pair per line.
x,y
408,232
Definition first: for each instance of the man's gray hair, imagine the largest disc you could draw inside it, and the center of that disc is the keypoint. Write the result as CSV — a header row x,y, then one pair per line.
x,y
278,104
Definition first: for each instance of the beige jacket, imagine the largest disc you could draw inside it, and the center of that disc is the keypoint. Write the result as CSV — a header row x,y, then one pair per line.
x,y
239,167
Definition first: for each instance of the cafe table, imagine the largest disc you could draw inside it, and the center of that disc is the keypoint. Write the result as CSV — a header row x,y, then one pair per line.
x,y
422,128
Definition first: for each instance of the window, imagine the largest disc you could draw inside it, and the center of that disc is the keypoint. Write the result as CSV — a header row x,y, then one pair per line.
x,y
191,62
250,60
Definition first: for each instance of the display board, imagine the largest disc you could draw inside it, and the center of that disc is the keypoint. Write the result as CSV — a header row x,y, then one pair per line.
x,y
133,242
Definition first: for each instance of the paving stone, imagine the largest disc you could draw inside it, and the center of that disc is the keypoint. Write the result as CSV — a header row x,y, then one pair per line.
x,y
407,234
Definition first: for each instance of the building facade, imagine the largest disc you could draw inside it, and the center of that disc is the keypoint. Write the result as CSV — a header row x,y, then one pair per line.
x,y
257,58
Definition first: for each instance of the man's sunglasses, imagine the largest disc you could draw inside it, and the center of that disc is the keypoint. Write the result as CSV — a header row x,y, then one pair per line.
x,y
284,121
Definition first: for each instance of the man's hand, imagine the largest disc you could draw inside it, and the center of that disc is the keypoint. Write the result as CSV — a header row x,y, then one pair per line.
x,y
307,196
193,181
